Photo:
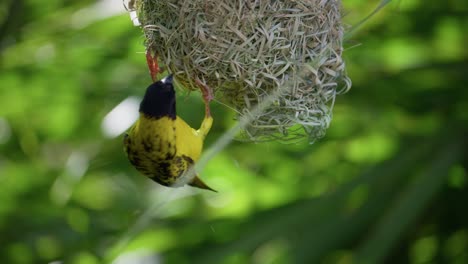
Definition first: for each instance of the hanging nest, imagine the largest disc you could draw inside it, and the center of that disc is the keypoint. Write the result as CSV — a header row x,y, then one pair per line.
x,y
286,52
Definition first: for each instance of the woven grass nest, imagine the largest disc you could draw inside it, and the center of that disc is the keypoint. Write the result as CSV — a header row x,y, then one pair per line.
x,y
286,52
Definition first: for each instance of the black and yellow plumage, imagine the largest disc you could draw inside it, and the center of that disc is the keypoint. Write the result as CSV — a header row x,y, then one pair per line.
x,y
160,144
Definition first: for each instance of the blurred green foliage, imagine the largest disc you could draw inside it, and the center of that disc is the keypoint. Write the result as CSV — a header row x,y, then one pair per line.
x,y
388,184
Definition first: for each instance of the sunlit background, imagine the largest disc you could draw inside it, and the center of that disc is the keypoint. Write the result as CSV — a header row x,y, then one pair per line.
x,y
387,184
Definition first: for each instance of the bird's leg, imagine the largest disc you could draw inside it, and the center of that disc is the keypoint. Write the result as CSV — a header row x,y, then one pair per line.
x,y
207,97
152,61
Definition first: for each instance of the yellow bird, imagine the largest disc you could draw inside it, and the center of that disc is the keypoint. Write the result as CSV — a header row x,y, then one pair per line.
x,y
161,145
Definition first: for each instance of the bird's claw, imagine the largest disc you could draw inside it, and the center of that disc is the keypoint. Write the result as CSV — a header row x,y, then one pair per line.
x,y
153,66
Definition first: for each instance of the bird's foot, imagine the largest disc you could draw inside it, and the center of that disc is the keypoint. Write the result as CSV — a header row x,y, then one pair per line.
x,y
153,66
207,95
205,90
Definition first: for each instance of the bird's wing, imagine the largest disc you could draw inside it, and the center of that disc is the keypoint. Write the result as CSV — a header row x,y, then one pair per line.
x,y
158,138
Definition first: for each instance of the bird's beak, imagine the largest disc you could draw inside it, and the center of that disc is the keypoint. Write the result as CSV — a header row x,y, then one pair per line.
x,y
168,79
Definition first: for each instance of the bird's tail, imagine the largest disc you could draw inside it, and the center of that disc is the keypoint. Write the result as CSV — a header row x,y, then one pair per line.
x,y
197,182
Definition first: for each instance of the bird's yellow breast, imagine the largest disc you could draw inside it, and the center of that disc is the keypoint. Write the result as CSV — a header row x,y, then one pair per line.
x,y
163,148
188,141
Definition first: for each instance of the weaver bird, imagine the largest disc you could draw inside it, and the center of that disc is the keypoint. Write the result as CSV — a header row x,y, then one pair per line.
x,y
161,145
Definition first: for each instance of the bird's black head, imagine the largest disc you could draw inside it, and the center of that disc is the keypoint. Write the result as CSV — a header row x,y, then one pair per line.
x,y
159,100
